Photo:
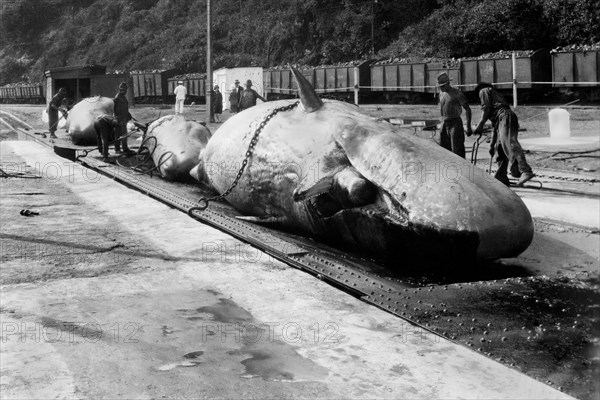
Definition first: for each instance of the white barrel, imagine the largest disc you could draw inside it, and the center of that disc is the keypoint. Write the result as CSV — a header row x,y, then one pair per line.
x,y
560,126
61,121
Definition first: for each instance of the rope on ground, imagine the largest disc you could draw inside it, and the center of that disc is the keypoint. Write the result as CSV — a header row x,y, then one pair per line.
x,y
145,154
571,157
19,174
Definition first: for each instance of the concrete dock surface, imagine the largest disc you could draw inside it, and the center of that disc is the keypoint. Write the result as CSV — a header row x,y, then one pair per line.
x,y
108,293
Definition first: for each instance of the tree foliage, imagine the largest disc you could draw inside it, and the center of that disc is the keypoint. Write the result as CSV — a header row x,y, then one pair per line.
x,y
158,34
472,27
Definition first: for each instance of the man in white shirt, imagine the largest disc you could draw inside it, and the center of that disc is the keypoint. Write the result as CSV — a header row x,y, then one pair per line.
x,y
180,95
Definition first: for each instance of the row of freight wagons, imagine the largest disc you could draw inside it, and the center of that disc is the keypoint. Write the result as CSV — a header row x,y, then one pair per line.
x,y
538,71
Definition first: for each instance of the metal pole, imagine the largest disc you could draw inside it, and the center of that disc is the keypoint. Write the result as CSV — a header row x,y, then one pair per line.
x,y
356,83
373,29
209,83
514,76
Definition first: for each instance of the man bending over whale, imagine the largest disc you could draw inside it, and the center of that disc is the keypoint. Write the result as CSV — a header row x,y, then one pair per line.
x,y
504,137
105,126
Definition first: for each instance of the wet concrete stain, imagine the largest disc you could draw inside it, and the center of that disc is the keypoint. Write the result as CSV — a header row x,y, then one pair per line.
x,y
193,354
401,370
191,360
278,361
226,311
169,367
166,330
263,355
67,330
214,292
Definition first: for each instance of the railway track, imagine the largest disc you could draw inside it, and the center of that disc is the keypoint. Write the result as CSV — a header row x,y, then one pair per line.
x,y
545,327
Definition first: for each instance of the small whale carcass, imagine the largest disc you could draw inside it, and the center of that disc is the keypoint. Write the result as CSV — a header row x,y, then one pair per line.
x,y
339,175
175,145
80,122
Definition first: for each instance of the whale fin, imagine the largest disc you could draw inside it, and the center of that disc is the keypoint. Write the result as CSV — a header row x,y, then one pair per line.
x,y
266,221
308,97
347,186
322,186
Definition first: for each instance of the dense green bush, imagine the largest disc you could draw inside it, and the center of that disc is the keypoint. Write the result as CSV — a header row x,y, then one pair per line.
x,y
467,27
157,34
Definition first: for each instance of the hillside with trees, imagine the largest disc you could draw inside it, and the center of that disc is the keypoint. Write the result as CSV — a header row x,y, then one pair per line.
x,y
36,35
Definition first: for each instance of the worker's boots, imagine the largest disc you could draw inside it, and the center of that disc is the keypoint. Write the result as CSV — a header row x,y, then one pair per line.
x,y
526,176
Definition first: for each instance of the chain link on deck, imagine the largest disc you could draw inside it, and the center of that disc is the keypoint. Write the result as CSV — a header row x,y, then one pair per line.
x,y
203,202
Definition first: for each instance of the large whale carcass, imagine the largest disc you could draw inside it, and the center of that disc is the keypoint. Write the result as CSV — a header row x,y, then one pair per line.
x,y
80,122
175,145
337,174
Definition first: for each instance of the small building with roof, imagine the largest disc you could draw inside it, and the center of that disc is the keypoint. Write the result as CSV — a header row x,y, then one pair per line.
x,y
84,81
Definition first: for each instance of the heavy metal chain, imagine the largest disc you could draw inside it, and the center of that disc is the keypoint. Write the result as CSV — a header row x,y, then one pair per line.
x,y
203,202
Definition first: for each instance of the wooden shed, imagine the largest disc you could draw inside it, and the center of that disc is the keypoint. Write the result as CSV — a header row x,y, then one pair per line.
x,y
85,81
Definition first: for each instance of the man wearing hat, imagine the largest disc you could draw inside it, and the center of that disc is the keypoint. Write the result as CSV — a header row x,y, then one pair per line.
x,y
180,95
248,97
239,90
510,155
217,103
53,108
122,114
452,101
234,97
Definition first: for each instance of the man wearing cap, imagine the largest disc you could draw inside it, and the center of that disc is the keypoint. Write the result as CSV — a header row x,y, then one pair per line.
x,y
180,95
452,101
248,97
53,108
504,136
122,114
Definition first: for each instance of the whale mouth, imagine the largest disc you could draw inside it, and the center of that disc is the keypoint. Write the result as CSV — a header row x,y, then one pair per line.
x,y
384,207
323,205
389,235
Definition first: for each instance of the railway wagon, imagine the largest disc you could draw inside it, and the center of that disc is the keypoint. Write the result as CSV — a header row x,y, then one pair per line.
x,y
410,82
436,68
577,72
152,86
195,84
532,70
24,94
279,83
340,81
335,81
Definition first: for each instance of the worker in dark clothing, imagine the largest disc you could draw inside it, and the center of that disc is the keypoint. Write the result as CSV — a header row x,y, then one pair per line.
x,y
54,107
239,91
105,126
452,101
217,104
510,155
123,116
248,97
